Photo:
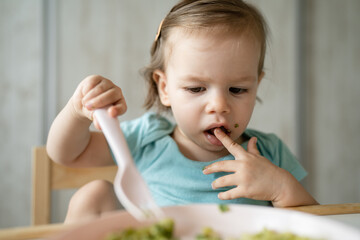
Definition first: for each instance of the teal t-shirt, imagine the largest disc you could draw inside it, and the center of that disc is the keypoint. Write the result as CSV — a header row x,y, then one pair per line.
x,y
174,179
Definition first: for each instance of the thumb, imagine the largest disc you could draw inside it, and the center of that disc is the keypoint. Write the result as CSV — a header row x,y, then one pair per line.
x,y
252,148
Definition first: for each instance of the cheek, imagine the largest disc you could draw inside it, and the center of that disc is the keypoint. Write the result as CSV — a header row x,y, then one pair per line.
x,y
186,112
244,113
182,101
185,109
185,121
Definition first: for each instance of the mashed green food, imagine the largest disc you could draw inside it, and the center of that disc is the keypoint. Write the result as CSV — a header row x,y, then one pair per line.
x,y
210,234
224,208
272,235
164,230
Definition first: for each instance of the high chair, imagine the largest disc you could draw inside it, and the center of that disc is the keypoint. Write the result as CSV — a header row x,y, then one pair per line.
x,y
48,175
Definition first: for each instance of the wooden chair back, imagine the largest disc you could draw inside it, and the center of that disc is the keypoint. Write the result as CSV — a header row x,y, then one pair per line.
x,y
48,175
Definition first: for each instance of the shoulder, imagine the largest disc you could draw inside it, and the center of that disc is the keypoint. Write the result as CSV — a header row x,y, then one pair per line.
x,y
269,145
149,123
147,128
269,137
268,142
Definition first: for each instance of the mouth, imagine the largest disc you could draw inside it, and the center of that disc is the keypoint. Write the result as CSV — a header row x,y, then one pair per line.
x,y
225,130
210,136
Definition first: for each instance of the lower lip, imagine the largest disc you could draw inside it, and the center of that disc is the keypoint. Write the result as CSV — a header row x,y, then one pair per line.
x,y
212,139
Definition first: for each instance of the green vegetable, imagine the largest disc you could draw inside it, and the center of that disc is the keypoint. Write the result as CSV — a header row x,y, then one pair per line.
x,y
273,235
208,234
224,208
162,230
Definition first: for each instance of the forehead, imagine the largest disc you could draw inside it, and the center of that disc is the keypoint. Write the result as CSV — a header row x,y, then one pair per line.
x,y
213,33
212,48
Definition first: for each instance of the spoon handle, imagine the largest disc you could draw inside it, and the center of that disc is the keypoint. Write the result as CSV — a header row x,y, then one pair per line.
x,y
115,137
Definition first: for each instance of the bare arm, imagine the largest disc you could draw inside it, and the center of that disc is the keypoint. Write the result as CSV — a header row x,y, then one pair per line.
x,y
70,141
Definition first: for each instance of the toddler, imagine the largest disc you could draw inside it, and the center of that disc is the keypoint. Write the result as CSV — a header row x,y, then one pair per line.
x,y
206,66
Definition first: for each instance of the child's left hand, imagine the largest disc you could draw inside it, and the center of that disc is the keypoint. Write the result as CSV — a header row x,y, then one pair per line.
x,y
253,175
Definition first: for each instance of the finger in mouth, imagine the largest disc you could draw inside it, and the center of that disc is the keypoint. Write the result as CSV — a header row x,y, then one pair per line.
x,y
222,128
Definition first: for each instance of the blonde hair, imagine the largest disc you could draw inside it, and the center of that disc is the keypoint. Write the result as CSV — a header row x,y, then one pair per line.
x,y
231,15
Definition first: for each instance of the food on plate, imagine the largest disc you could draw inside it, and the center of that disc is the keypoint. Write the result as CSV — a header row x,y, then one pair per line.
x,y
163,230
208,234
224,208
267,234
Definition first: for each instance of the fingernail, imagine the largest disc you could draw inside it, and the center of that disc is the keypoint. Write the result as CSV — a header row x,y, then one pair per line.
x,y
213,186
218,131
220,196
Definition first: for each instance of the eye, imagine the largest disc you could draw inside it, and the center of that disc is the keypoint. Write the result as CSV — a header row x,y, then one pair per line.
x,y
236,90
195,89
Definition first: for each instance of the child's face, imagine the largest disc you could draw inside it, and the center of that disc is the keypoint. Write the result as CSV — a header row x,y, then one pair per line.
x,y
210,81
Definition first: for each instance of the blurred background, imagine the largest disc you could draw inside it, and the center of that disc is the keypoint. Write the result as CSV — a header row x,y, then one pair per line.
x,y
310,93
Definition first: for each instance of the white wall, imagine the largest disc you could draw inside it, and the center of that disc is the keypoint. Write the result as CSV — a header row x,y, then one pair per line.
x,y
333,70
20,105
277,112
113,38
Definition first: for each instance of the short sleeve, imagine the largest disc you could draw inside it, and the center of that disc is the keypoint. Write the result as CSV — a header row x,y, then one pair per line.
x,y
288,161
144,130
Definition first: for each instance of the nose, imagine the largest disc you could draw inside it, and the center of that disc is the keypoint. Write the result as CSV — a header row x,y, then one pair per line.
x,y
217,103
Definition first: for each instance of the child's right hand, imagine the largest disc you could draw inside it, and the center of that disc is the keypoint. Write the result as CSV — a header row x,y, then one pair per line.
x,y
96,92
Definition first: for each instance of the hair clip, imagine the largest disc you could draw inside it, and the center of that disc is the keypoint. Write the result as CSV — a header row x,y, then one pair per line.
x,y
159,30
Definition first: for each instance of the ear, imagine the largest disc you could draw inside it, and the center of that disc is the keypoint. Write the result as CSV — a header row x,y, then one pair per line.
x,y
161,82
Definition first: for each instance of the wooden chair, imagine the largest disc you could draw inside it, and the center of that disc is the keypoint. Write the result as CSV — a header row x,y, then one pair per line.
x,y
48,175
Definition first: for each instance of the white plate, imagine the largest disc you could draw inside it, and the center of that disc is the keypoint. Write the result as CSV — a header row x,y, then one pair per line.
x,y
191,219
